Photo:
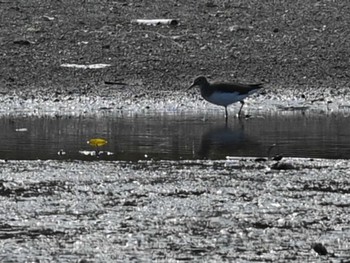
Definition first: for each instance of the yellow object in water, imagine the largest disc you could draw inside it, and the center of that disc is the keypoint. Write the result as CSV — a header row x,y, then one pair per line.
x,y
97,142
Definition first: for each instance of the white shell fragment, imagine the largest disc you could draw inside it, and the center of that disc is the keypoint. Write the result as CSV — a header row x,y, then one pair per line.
x,y
94,153
91,66
154,22
21,130
49,18
61,152
88,153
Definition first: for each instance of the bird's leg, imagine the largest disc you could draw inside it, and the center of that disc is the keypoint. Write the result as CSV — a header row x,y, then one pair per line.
x,y
269,150
240,110
226,115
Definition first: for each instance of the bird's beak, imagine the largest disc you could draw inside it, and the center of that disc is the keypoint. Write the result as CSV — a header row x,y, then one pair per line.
x,y
191,86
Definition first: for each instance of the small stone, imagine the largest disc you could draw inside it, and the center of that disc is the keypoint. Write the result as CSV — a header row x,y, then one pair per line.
x,y
22,42
319,249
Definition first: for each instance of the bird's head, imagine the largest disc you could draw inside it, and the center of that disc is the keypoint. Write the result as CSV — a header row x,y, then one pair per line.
x,y
200,81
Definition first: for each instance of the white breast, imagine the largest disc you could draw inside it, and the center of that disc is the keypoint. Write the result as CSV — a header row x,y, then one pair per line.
x,y
225,99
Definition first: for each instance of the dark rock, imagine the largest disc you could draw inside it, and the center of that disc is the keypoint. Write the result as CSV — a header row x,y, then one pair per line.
x,y
22,42
320,249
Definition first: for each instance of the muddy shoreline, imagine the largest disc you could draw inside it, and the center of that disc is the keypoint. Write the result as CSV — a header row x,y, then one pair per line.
x,y
167,211
289,46
130,102
293,45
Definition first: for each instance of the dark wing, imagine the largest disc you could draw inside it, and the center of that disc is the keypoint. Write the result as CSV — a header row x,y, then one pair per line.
x,y
236,87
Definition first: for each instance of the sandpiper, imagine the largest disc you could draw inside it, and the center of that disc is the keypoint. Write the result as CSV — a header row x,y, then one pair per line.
x,y
224,94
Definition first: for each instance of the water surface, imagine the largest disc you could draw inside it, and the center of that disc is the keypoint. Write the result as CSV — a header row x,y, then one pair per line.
x,y
175,136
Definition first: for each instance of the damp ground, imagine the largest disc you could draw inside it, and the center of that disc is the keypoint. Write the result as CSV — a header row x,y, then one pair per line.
x,y
236,210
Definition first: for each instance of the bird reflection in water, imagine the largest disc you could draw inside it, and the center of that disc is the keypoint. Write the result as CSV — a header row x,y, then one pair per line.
x,y
222,141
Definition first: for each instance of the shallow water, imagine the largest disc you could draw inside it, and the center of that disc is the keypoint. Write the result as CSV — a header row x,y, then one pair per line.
x,y
175,137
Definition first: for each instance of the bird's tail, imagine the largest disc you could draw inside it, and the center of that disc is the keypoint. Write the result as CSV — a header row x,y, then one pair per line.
x,y
257,86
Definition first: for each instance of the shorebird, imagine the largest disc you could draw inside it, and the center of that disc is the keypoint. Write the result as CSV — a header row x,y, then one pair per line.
x,y
224,94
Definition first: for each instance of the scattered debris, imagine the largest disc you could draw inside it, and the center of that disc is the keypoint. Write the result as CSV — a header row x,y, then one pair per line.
x,y
21,42
154,22
236,28
96,153
88,153
91,66
21,130
49,18
97,142
61,152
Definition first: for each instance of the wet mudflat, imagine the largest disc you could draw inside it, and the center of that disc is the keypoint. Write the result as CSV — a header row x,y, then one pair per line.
x,y
174,211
